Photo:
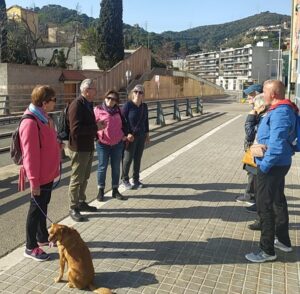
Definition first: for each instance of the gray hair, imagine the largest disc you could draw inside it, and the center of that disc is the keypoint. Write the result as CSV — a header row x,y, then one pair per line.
x,y
259,100
85,84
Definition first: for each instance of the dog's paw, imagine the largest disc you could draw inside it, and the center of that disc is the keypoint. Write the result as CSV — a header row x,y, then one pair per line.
x,y
70,285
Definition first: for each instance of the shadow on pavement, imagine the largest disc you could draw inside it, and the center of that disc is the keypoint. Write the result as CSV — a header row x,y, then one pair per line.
x,y
212,251
124,279
223,212
113,280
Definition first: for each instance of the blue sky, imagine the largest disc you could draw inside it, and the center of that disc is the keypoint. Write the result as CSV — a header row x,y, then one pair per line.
x,y
174,15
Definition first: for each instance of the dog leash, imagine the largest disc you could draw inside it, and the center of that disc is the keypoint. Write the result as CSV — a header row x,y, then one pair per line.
x,y
53,187
46,216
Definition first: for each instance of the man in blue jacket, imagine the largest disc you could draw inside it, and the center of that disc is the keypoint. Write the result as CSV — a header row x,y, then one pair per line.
x,y
276,133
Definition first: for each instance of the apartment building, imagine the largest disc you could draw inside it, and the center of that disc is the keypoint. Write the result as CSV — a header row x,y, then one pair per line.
x,y
247,64
204,65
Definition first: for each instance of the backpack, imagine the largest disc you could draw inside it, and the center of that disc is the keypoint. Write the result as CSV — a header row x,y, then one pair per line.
x,y
63,129
15,147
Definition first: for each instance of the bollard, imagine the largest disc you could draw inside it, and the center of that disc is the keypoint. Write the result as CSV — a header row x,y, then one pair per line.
x,y
160,119
188,108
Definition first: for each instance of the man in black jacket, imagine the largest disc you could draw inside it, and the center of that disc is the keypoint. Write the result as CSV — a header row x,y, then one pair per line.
x,y
83,130
248,196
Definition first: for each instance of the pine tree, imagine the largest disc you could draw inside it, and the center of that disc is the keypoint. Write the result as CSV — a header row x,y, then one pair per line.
x,y
110,45
3,32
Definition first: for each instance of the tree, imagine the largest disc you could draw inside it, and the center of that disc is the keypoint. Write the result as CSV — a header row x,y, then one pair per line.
x,y
88,45
3,32
110,43
166,52
18,49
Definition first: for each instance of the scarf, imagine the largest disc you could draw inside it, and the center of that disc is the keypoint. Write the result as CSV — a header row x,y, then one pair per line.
x,y
39,113
110,110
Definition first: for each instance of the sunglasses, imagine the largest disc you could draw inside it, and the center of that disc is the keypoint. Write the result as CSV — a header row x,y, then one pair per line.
x,y
138,92
111,98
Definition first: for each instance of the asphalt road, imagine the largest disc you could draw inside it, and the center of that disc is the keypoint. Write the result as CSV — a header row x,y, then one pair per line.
x,y
164,141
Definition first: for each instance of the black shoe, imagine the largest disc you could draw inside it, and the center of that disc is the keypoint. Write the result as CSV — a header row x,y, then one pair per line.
x,y
116,194
83,206
137,185
251,208
256,226
76,216
100,196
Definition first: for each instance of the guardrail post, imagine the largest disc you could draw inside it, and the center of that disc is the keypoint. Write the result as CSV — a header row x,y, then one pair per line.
x,y
176,113
188,108
199,105
160,119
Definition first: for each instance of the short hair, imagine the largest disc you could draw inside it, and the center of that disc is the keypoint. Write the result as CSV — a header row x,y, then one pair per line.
x,y
277,88
41,93
139,87
85,84
113,92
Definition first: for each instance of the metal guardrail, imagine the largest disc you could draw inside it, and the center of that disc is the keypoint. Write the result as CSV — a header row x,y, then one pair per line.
x,y
158,110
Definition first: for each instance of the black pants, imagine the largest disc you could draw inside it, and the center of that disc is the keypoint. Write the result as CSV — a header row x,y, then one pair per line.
x,y
272,208
251,185
134,152
36,225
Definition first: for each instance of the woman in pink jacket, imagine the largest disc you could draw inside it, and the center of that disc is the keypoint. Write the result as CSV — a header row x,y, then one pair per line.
x,y
110,144
41,160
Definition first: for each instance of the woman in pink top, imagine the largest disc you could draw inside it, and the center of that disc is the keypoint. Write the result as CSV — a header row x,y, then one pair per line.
x,y
41,160
110,142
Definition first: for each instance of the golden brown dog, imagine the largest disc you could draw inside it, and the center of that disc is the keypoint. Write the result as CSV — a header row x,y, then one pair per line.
x,y
74,251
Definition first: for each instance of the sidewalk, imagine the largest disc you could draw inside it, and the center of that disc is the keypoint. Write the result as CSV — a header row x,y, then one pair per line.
x,y
183,233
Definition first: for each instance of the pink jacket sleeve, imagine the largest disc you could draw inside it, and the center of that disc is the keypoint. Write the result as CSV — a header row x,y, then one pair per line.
x,y
30,145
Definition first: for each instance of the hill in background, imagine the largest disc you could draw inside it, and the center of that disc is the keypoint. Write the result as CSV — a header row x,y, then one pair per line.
x,y
231,34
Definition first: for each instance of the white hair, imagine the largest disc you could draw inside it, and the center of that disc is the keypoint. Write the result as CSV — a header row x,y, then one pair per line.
x,y
259,100
85,84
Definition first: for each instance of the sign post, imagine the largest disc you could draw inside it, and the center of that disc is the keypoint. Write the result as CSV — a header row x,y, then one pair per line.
x,y
156,78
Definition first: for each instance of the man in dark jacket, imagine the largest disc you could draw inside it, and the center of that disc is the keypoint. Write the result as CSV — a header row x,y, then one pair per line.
x,y
251,92
83,131
276,133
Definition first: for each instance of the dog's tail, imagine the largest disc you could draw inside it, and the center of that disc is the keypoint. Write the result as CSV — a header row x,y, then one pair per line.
x,y
93,288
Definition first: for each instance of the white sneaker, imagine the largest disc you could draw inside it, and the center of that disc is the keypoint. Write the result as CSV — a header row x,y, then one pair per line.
x,y
281,246
126,185
260,256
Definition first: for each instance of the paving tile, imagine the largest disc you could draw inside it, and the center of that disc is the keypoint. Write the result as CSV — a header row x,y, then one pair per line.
x,y
184,233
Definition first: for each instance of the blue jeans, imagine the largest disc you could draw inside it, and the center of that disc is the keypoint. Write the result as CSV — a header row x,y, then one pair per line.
x,y
114,153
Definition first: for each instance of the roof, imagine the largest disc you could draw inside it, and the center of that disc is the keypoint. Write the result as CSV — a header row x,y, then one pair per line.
x,y
20,7
71,75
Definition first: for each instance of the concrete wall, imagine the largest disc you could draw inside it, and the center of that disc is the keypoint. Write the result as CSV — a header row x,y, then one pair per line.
x,y
17,80
179,86
45,55
3,79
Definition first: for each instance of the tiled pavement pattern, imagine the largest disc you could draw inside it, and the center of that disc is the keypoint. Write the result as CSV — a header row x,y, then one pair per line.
x,y
183,233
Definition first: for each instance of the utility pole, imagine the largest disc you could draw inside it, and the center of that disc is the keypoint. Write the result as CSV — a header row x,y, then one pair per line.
x,y
279,76
291,52
146,28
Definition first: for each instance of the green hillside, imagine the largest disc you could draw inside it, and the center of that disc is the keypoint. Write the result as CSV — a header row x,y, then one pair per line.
x,y
168,44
